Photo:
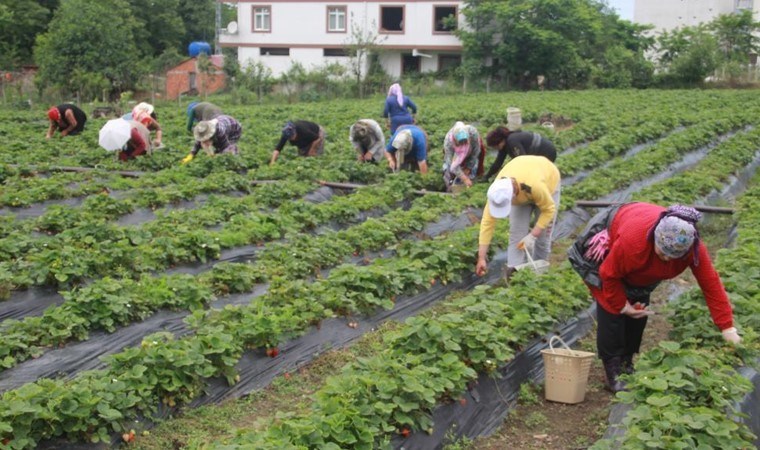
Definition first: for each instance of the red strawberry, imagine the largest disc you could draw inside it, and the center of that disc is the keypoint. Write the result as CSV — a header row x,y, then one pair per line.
x,y
405,432
272,352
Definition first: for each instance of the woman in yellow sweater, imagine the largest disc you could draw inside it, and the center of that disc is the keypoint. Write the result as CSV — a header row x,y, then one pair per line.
x,y
527,191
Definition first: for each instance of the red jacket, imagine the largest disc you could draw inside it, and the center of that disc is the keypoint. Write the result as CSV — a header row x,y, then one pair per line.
x,y
632,259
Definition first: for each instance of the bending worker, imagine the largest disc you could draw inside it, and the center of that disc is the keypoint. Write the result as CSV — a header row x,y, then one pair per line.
x,y
407,149
638,245
463,154
368,140
308,137
216,136
517,143
197,112
66,118
526,187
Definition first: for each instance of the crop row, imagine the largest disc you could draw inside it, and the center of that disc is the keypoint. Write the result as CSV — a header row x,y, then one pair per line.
x,y
174,370
108,303
658,157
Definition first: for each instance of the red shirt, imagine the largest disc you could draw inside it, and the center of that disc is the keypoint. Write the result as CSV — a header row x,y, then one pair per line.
x,y
632,259
136,146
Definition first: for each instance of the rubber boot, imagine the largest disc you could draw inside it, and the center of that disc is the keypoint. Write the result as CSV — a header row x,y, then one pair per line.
x,y
613,368
628,364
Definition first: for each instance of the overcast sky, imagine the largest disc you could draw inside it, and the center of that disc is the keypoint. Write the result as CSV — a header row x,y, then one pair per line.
x,y
624,8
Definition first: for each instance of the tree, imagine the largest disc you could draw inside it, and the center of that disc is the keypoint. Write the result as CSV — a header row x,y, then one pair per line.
x,y
91,38
563,40
198,17
687,55
20,22
162,29
736,35
360,46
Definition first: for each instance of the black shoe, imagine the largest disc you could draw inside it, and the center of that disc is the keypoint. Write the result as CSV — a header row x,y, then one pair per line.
x,y
613,368
628,364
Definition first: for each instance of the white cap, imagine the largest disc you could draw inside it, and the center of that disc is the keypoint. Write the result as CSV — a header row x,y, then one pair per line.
x,y
500,198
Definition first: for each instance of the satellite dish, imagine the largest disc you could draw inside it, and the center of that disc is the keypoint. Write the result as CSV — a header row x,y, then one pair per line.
x,y
232,27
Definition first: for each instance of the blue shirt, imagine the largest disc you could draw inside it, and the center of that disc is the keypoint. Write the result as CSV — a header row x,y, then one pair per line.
x,y
419,142
392,108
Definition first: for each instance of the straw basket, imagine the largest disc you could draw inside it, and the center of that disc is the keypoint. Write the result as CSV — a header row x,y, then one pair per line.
x,y
566,373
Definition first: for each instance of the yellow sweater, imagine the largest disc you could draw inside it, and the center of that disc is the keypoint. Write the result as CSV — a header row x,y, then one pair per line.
x,y
541,177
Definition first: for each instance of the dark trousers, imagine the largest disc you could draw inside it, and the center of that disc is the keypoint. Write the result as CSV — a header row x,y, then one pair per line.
x,y
618,335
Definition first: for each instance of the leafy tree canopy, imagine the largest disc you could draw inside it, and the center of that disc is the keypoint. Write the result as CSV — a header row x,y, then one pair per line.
x,y
20,22
91,42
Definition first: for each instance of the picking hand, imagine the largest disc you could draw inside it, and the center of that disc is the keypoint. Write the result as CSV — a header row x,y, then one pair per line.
x,y
481,267
528,243
635,313
187,158
731,335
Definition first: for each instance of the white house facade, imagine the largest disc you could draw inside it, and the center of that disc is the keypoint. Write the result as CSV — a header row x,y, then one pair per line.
x,y
413,35
667,15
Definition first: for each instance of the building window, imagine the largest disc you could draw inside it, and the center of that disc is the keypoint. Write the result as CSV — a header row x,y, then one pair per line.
x,y
336,19
410,64
440,16
448,63
391,19
334,52
274,51
262,19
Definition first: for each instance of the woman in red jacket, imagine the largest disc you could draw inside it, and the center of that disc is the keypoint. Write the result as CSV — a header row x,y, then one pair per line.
x,y
639,245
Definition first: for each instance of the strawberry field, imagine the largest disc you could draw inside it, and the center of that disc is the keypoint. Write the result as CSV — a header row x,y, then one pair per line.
x,y
132,292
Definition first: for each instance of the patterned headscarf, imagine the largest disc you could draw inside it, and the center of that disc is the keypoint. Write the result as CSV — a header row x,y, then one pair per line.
x,y
289,130
675,232
458,133
395,89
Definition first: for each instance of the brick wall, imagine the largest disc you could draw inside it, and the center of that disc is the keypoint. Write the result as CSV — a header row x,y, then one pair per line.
x,y
185,77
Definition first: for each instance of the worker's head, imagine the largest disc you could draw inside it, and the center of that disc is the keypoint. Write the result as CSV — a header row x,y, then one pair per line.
x,y
205,130
673,237
402,141
190,108
675,233
361,130
500,195
497,137
289,130
54,114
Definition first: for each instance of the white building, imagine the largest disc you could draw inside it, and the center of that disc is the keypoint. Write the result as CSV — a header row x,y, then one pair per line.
x,y
412,34
666,15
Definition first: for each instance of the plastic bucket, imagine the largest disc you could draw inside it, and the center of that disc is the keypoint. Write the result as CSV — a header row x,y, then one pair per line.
x,y
514,119
538,265
566,373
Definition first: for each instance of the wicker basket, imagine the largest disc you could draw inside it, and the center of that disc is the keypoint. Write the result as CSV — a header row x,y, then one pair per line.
x,y
566,373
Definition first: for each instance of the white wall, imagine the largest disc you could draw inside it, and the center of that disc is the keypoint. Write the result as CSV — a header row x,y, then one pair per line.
x,y
670,14
302,27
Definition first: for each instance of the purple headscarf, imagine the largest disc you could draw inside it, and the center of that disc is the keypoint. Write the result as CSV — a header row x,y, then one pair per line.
x,y
675,231
395,89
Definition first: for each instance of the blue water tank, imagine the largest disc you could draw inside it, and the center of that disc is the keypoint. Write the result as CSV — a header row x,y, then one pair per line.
x,y
196,48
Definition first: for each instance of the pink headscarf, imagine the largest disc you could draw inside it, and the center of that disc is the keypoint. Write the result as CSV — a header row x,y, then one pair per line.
x,y
396,90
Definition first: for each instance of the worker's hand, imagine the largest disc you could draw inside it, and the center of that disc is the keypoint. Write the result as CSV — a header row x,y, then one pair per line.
x,y
187,158
731,335
158,144
528,243
637,311
481,267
